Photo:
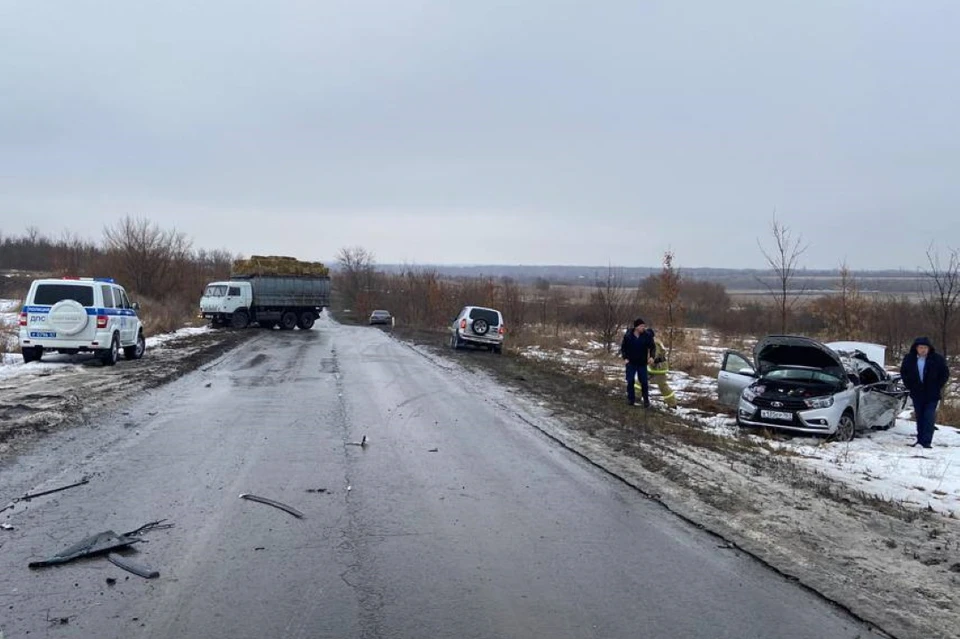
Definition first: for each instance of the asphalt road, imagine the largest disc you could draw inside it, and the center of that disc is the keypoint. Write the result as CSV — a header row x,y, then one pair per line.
x,y
457,520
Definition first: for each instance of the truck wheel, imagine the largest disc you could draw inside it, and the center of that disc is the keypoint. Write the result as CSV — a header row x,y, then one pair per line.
x,y
31,354
307,319
239,319
110,356
288,321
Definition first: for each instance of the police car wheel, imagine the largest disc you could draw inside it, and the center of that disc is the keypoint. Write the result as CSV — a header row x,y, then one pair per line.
x,y
31,354
135,351
112,354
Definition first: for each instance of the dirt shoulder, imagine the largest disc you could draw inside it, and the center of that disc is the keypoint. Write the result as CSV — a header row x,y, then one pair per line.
x,y
890,565
49,398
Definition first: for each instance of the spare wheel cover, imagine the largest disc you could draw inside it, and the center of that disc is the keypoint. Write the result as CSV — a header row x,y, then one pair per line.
x,y
68,317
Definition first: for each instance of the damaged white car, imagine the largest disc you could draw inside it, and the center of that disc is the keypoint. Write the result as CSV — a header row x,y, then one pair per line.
x,y
799,384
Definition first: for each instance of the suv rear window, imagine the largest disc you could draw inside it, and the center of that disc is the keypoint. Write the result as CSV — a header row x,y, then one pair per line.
x,y
492,317
50,294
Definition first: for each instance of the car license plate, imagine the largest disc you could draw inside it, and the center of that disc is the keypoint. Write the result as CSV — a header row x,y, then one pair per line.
x,y
40,334
776,414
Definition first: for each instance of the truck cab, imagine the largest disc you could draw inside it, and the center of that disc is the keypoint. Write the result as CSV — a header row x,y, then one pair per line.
x,y
221,299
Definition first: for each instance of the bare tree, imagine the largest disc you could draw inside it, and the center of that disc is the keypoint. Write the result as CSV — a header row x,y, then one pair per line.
x,y
669,289
357,277
558,300
941,291
609,301
783,259
152,259
845,312
512,303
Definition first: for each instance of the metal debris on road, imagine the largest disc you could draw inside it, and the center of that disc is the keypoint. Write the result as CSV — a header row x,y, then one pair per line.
x,y
6,526
362,443
316,490
29,496
131,566
270,502
92,545
434,450
153,525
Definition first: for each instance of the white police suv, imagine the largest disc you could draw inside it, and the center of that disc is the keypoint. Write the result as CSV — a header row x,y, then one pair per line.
x,y
80,314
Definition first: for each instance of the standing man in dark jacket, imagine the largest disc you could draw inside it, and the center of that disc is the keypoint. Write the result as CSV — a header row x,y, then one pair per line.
x,y
924,372
637,351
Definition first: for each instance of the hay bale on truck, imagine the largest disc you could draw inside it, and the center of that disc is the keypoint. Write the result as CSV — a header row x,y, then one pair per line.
x,y
278,265
269,291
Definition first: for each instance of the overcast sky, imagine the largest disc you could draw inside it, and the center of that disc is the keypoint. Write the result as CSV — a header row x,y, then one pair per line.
x,y
528,132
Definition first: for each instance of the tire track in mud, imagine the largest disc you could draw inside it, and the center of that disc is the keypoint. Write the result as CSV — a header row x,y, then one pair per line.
x,y
277,357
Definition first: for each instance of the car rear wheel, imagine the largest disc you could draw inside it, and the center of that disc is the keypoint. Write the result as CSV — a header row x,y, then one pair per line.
x,y
31,354
136,351
110,356
455,341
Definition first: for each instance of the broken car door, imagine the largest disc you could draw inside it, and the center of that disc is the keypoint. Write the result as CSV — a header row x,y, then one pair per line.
x,y
736,373
878,404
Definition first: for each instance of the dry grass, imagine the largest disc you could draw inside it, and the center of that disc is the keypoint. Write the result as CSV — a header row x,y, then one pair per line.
x,y
9,331
8,339
948,413
166,317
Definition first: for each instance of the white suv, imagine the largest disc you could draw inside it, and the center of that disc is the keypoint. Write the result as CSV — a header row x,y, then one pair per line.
x,y
75,315
478,326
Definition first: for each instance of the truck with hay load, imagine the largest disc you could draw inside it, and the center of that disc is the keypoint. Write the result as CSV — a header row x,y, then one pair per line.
x,y
270,291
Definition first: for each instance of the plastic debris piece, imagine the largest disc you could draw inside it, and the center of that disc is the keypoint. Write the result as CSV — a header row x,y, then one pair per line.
x,y
270,502
92,545
153,525
131,566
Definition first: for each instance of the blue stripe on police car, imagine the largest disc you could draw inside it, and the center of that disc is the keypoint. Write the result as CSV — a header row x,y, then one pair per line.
x,y
90,311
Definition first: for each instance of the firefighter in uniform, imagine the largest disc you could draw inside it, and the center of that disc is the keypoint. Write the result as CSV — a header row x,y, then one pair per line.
x,y
658,374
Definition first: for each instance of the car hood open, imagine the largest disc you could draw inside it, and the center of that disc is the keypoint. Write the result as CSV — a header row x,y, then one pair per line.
x,y
791,350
